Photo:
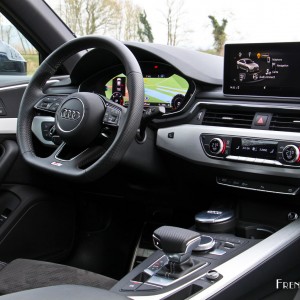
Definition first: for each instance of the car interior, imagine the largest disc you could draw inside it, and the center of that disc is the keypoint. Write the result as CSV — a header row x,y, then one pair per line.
x,y
106,196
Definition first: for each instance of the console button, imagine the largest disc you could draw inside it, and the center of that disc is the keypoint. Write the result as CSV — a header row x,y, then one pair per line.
x,y
236,182
131,286
229,245
218,252
212,275
261,120
244,184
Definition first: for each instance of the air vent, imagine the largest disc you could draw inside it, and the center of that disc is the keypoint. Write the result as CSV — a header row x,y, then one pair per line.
x,y
228,118
285,122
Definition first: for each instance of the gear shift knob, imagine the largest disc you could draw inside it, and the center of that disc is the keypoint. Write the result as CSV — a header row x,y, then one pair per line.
x,y
177,243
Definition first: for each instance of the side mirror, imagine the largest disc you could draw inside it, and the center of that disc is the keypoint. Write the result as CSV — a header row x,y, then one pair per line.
x,y
11,61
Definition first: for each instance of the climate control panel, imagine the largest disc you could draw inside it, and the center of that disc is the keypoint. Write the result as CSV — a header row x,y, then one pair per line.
x,y
252,150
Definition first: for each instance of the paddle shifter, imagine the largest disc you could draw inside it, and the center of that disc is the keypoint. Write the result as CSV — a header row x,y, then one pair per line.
x,y
177,244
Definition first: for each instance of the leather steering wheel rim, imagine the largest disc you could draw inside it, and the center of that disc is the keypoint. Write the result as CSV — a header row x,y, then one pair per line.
x,y
128,126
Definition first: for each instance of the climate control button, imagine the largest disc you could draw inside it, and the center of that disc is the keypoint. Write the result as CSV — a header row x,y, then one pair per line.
x,y
216,146
290,153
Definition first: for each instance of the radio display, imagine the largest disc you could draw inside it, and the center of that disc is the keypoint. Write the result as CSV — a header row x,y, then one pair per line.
x,y
254,148
262,69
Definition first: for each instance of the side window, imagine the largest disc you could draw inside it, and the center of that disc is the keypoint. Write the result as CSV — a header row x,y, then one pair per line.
x,y
17,55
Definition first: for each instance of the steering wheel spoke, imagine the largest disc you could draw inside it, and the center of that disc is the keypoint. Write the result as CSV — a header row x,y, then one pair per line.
x,y
66,156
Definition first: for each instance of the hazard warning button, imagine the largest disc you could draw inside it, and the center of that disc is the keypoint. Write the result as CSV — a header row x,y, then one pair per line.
x,y
261,120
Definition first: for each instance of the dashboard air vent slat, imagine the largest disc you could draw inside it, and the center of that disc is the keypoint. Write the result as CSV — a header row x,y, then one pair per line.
x,y
285,122
228,118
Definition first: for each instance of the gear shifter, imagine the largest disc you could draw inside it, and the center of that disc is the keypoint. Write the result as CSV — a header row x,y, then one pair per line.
x,y
177,244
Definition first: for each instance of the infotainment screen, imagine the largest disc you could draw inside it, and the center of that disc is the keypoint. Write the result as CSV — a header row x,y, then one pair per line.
x,y
268,69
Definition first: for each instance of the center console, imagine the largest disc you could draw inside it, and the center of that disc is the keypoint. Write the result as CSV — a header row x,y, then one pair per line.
x,y
187,260
201,265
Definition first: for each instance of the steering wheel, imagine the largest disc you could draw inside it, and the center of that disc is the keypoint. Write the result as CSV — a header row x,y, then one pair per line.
x,y
81,117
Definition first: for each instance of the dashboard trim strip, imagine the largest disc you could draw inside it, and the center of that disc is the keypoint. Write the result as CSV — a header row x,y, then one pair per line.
x,y
286,107
16,86
12,87
8,125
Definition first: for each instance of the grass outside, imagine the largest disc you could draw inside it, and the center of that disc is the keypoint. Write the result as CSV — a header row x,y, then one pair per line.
x,y
32,62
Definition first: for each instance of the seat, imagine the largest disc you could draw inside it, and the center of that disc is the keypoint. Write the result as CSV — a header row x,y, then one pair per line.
x,y
64,292
26,274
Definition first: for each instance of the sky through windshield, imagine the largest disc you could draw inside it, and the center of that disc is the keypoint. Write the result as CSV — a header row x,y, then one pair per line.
x,y
248,21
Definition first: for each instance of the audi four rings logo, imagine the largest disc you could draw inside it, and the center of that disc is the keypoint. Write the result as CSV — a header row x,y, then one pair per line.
x,y
70,114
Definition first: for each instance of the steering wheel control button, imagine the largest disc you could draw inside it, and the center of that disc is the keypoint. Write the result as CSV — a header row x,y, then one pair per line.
x,y
49,103
290,154
212,275
46,127
112,115
54,106
131,286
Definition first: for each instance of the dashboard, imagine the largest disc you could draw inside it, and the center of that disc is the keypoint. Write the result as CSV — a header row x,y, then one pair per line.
x,y
237,114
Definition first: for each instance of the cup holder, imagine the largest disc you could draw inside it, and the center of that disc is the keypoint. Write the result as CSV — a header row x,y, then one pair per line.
x,y
254,231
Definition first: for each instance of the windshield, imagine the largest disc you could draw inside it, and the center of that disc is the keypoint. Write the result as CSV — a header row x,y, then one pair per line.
x,y
200,25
